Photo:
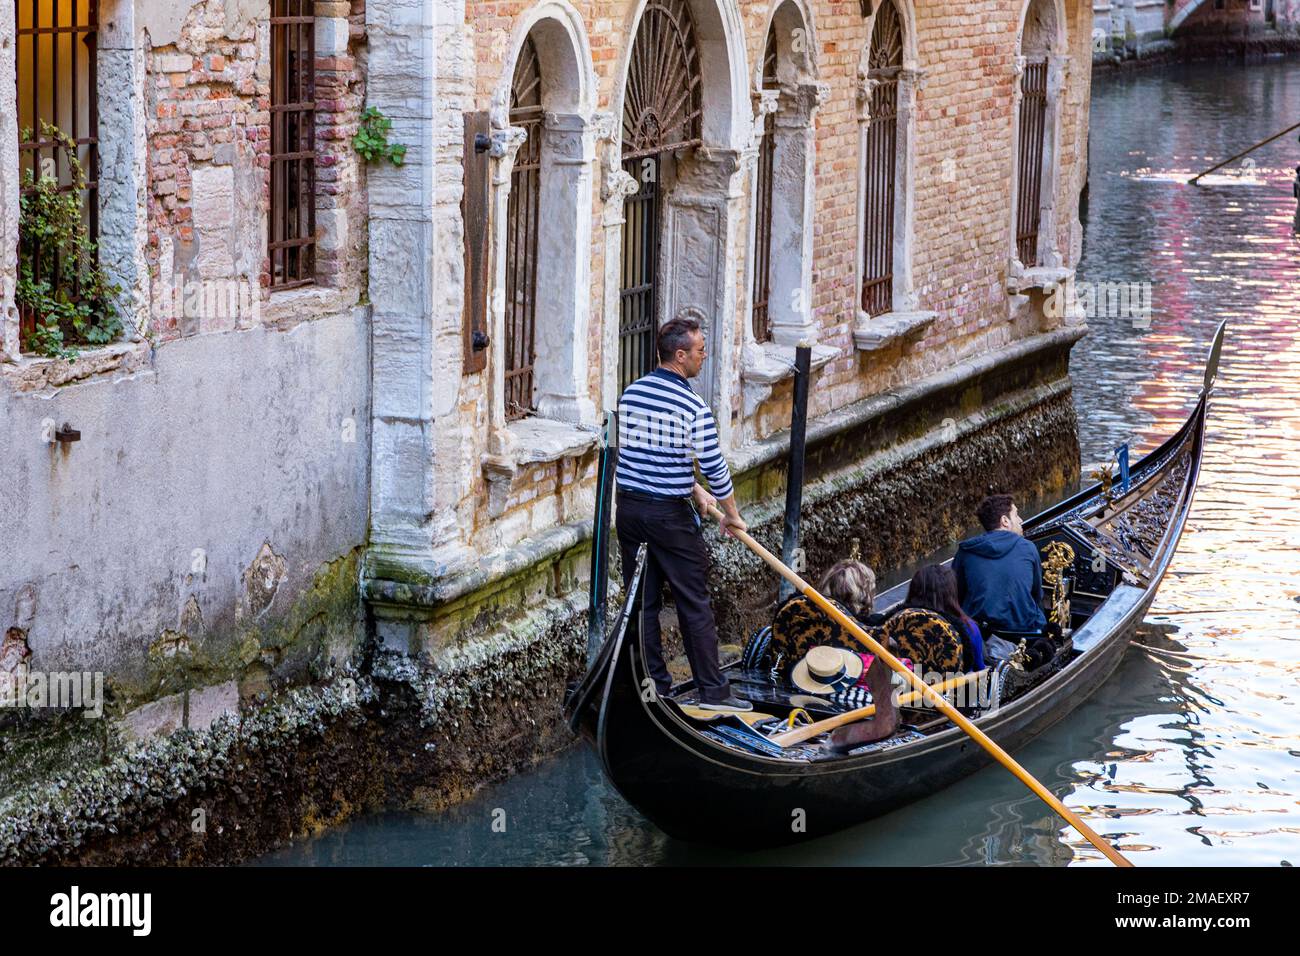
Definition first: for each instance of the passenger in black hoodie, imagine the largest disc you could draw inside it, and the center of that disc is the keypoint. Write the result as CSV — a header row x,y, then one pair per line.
x,y
999,573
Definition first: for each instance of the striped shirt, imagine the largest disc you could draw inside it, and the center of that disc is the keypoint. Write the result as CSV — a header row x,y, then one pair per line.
x,y
663,427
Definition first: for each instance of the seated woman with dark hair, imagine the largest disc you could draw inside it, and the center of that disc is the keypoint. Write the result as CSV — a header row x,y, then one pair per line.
x,y
930,627
800,625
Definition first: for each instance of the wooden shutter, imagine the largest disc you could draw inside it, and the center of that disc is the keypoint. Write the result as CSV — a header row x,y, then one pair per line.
x,y
474,214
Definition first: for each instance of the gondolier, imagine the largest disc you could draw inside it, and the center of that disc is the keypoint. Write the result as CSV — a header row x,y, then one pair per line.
x,y
664,428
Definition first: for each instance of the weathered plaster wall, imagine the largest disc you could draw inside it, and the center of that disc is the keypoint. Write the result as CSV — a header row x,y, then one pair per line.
x,y
210,489
200,544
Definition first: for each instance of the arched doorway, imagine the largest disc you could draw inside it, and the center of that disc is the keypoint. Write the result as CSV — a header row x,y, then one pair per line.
x,y
662,111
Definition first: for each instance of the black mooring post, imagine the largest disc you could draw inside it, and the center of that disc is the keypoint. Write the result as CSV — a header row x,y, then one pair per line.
x,y
606,463
794,474
1295,188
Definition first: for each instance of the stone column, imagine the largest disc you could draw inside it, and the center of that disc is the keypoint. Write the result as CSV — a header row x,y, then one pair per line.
x,y
905,297
505,145
765,103
698,252
615,186
564,270
790,311
123,212
1049,245
406,367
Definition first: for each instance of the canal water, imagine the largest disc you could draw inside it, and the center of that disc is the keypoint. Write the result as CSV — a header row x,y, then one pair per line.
x,y
1190,754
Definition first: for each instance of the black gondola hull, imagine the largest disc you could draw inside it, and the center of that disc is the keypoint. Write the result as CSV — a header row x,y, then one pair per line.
x,y
700,790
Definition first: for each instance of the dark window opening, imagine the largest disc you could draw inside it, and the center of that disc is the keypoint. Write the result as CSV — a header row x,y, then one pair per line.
x,y
291,239
56,60
1029,189
763,210
522,228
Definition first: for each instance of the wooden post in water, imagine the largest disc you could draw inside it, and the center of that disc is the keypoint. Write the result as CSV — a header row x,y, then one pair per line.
x,y
606,463
794,471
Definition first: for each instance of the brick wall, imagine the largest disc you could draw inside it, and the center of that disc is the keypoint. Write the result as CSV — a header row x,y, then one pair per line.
x,y
964,114
207,98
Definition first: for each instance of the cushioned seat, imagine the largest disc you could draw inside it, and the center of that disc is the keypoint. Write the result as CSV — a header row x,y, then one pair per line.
x,y
927,638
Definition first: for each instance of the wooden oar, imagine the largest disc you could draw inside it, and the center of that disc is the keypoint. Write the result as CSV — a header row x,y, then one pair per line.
x,y
928,694
808,731
1262,142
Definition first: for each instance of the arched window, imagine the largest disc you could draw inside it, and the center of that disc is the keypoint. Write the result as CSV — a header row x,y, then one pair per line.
x,y
662,108
880,161
522,229
1041,66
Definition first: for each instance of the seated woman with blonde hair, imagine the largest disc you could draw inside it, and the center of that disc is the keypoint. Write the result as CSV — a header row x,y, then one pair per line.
x,y
800,625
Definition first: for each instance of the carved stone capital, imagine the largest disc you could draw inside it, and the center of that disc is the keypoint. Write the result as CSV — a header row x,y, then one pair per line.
x,y
912,76
506,142
505,146
604,126
866,87
765,102
616,185
724,162
803,100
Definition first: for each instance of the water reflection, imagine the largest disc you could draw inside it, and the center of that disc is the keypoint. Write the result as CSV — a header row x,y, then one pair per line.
x,y
1189,754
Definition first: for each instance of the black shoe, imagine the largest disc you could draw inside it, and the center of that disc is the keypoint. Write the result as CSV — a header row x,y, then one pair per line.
x,y
732,705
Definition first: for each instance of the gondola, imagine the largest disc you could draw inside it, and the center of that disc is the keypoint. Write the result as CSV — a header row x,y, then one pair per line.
x,y
717,783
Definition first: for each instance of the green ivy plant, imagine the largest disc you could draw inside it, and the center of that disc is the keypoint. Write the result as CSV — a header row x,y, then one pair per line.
x,y
371,139
59,279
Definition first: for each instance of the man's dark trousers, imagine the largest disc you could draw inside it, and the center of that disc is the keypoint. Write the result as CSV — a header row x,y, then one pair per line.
x,y
676,554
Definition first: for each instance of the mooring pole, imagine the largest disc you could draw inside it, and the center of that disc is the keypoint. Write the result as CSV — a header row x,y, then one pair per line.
x,y
794,472
1295,188
606,463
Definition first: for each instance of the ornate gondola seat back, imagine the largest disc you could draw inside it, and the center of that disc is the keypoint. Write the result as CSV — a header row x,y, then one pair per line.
x,y
930,641
800,625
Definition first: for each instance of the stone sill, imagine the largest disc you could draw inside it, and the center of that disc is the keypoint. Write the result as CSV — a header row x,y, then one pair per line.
x,y
1020,280
534,440
763,364
767,363
284,308
33,373
529,441
878,332
384,582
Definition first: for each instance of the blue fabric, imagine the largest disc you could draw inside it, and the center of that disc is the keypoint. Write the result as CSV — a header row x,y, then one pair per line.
x,y
1000,580
976,642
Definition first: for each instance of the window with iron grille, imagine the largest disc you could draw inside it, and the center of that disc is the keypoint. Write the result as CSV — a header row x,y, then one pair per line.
x,y
885,62
522,228
55,56
763,210
1029,164
662,106
291,239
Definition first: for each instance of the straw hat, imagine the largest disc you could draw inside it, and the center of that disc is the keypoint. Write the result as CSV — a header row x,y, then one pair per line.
x,y
823,669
